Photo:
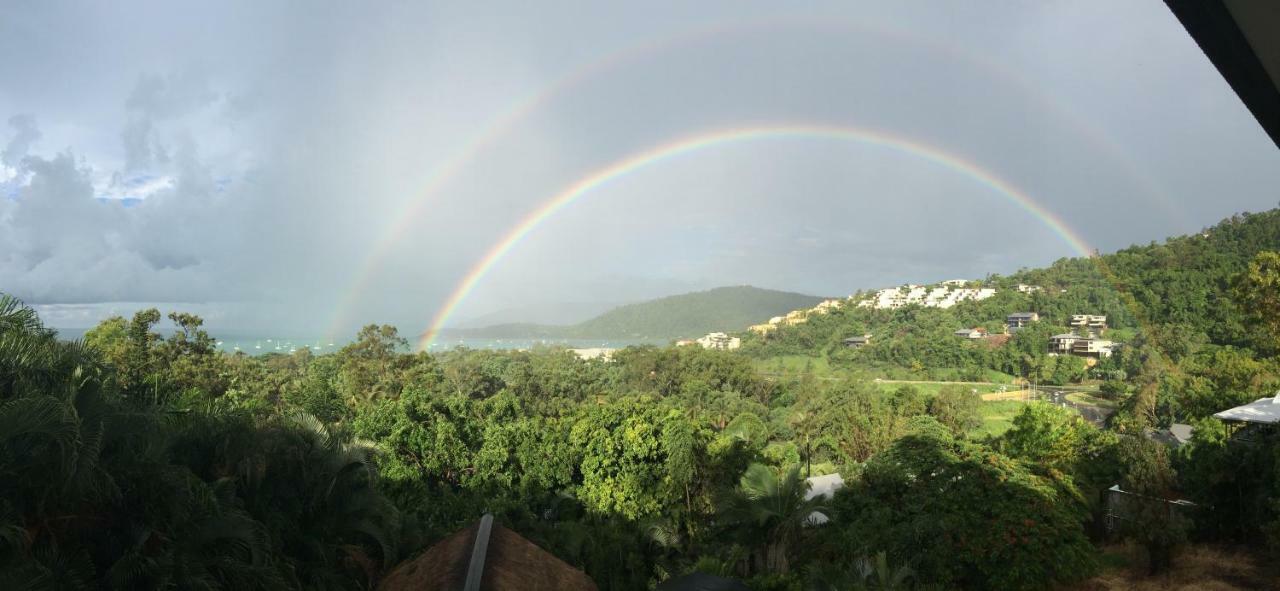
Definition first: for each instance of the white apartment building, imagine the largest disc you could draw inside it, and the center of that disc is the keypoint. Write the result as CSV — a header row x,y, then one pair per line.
x,y
719,340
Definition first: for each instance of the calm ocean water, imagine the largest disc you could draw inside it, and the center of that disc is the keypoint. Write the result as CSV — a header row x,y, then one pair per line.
x,y
259,343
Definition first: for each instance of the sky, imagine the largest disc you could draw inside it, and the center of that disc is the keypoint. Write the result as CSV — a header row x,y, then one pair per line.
x,y
314,167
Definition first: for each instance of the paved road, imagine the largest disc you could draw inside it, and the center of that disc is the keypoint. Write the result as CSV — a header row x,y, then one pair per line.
x,y
1094,414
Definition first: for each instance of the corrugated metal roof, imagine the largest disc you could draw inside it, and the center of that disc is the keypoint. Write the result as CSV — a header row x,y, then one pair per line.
x,y
1262,410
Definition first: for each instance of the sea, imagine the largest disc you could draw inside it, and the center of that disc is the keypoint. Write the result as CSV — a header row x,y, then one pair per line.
x,y
262,343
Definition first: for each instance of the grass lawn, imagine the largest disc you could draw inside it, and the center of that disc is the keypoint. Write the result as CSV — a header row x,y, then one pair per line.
x,y
997,417
794,364
932,388
1085,398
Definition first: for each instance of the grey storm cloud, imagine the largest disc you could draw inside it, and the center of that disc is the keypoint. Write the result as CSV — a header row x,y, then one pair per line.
x,y
247,159
25,134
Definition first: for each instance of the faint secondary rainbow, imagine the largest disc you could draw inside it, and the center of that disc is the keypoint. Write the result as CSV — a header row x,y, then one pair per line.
x,y
520,110
702,141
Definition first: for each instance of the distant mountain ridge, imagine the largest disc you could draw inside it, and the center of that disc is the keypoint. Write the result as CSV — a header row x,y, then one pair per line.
x,y
554,314
672,317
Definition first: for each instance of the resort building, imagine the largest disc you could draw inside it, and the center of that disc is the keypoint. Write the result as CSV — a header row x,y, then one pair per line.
x,y
719,340
944,295
1063,344
1088,323
827,306
1020,320
1089,347
796,317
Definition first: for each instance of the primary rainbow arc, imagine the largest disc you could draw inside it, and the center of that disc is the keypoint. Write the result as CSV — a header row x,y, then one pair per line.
x,y
721,137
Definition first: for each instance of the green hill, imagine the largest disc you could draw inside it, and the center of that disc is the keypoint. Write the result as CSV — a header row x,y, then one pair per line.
x,y
694,314
1172,298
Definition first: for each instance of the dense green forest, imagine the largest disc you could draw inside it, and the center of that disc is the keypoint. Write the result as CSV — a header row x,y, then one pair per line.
x,y
680,316
139,460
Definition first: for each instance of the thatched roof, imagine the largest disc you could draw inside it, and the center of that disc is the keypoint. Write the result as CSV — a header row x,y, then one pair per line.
x,y
504,561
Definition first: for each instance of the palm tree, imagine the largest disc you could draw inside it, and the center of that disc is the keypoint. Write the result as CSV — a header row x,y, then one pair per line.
x,y
87,494
867,574
770,512
99,493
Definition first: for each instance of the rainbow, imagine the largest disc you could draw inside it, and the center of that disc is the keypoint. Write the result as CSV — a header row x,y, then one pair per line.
x,y
703,141
522,109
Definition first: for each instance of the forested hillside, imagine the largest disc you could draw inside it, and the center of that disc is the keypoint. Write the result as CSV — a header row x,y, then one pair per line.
x,y
1171,305
694,314
686,315
139,460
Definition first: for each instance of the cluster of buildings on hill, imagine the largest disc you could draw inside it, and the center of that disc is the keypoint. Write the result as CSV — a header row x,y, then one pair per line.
x,y
944,295
1084,340
796,317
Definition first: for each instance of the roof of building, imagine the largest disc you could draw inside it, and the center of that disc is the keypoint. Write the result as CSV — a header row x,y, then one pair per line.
x,y
1068,335
825,485
822,486
1262,410
702,582
485,557
1181,432
1241,40
1023,315
1176,435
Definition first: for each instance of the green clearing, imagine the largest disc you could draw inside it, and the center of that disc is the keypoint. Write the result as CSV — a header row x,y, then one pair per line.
x,y
932,388
997,417
819,366
1085,398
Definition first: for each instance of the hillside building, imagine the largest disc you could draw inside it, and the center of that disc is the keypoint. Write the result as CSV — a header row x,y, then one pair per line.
x,y
1090,347
971,333
944,295
1089,323
1063,344
827,306
796,317
1019,320
719,340
857,342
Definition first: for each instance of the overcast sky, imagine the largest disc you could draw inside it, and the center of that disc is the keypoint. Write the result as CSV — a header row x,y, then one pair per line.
x,y
244,161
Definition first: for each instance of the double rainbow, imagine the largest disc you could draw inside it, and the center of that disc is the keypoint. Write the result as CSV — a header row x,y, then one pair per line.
x,y
707,140
524,107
